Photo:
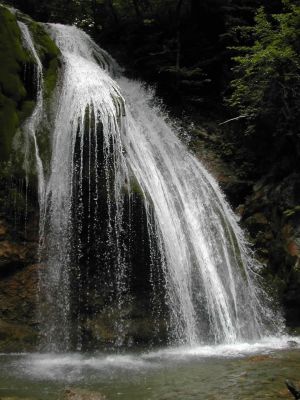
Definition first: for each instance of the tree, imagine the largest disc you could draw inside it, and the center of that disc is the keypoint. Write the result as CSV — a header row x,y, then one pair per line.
x,y
268,72
266,89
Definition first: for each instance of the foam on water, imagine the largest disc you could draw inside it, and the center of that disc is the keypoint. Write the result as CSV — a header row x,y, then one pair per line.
x,y
73,367
242,349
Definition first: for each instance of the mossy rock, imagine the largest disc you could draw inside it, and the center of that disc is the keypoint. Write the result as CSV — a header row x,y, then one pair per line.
x,y
12,88
49,55
47,51
135,187
18,92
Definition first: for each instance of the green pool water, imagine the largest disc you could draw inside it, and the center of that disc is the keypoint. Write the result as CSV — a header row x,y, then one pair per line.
x,y
228,372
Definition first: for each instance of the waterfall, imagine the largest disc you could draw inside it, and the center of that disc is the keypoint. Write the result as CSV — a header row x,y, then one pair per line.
x,y
111,145
32,123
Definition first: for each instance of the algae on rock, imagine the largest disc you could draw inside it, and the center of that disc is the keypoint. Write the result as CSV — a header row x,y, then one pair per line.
x,y
18,86
13,90
18,188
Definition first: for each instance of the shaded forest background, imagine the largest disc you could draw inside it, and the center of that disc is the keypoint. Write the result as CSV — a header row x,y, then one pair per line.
x,y
230,70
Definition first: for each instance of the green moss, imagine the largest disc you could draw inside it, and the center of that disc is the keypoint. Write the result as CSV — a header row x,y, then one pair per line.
x,y
17,94
26,110
12,89
49,55
46,46
9,122
11,43
44,143
47,50
50,77
135,187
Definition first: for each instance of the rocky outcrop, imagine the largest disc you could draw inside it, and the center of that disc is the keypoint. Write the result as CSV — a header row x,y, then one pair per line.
x,y
18,84
18,284
18,299
18,185
14,256
271,214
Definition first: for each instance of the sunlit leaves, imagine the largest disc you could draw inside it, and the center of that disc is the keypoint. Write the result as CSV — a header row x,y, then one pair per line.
x,y
267,83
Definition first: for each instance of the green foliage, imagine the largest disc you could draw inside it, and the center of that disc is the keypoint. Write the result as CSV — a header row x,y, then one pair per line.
x,y
291,211
267,87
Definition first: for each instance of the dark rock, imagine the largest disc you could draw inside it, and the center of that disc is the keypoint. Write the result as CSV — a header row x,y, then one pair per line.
x,y
271,217
14,256
3,229
292,343
18,302
293,389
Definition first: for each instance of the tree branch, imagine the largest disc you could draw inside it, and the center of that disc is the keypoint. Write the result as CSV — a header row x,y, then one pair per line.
x,y
233,119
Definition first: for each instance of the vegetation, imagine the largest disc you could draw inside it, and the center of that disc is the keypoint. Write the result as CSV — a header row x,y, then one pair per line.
x,y
14,102
266,88
17,83
49,55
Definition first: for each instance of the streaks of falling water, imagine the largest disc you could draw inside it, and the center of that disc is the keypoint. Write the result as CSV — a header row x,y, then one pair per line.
x,y
32,123
209,272
88,102
30,129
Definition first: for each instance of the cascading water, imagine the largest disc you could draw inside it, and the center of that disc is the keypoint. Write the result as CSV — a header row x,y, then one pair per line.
x,y
32,123
109,142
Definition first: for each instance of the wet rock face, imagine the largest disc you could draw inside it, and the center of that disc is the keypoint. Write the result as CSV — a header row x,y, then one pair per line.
x,y
18,189
18,285
14,256
269,210
18,325
18,267
16,94
271,214
101,317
